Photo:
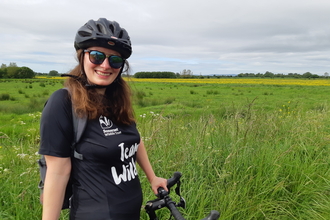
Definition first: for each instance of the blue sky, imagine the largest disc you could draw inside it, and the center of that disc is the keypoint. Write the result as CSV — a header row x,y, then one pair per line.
x,y
208,37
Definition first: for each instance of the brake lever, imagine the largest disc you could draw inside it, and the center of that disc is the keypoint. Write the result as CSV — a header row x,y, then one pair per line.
x,y
182,203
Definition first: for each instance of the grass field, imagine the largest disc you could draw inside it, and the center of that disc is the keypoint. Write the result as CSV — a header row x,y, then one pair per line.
x,y
252,150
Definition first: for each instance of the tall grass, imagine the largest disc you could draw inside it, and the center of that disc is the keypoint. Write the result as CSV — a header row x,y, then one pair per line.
x,y
259,165
240,157
19,138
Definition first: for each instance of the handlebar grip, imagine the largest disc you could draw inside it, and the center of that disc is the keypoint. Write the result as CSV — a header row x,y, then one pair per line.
x,y
174,179
175,212
214,215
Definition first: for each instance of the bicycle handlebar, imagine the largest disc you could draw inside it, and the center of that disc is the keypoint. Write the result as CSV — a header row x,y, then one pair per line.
x,y
212,216
175,212
165,200
174,179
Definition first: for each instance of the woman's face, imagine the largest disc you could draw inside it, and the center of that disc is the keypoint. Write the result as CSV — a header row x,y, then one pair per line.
x,y
100,74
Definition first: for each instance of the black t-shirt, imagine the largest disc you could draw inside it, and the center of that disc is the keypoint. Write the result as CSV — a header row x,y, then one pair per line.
x,y
106,184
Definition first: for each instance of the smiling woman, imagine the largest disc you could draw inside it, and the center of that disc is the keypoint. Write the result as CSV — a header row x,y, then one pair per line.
x,y
105,183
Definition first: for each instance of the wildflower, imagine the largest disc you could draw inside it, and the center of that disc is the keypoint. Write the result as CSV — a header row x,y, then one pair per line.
x,y
21,155
23,173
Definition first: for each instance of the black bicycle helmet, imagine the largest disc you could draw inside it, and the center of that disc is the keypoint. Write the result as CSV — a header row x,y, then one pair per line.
x,y
104,33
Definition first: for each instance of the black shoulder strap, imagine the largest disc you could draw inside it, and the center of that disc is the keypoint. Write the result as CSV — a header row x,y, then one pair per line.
x,y
79,125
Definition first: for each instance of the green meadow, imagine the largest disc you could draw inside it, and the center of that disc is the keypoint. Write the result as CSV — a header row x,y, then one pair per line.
x,y
250,151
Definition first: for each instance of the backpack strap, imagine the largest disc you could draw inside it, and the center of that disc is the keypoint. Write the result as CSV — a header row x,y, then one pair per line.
x,y
79,125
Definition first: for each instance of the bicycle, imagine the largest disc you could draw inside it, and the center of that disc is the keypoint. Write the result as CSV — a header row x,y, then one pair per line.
x,y
164,200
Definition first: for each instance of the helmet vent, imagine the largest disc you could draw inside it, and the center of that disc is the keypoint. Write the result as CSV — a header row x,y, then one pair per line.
x,y
89,27
112,28
84,33
120,34
100,29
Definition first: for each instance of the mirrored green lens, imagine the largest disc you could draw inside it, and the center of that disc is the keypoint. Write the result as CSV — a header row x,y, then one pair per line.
x,y
116,61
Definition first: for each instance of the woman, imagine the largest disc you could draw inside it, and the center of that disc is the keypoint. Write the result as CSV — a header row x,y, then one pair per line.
x,y
105,181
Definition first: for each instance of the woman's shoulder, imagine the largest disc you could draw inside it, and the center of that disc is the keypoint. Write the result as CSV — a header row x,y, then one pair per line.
x,y
59,99
61,95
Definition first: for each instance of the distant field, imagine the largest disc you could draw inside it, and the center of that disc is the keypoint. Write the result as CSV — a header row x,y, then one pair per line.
x,y
191,96
232,80
252,149
258,81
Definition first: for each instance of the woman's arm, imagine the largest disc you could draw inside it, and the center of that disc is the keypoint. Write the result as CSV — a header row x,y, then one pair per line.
x,y
144,163
57,177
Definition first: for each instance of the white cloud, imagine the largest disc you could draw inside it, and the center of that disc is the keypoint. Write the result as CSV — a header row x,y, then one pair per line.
x,y
208,37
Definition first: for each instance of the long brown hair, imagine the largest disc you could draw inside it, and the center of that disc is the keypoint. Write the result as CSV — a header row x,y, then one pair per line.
x,y
115,103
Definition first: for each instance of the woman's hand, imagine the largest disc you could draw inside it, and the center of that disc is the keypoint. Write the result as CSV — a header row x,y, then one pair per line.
x,y
157,182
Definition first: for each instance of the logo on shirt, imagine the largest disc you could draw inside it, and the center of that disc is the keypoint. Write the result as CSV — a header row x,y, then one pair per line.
x,y
105,122
106,125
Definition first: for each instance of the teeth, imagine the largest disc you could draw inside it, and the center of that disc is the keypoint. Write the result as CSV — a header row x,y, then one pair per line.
x,y
103,74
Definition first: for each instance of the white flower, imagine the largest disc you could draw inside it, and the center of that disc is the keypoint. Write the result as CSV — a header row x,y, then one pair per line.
x,y
23,173
21,155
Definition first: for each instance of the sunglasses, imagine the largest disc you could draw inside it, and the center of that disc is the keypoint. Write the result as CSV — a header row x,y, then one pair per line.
x,y
98,58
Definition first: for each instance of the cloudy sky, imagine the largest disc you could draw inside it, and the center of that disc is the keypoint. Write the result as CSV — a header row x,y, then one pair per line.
x,y
206,36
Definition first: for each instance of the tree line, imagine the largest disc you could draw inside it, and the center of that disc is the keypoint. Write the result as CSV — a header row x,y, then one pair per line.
x,y
15,72
183,74
189,74
155,75
268,74
12,71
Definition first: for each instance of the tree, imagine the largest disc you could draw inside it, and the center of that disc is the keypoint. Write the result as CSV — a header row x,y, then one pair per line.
x,y
307,75
53,73
269,74
3,72
19,72
186,74
25,72
12,71
3,66
12,64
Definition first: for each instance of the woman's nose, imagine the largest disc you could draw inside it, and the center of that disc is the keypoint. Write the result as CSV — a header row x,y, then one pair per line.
x,y
106,64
